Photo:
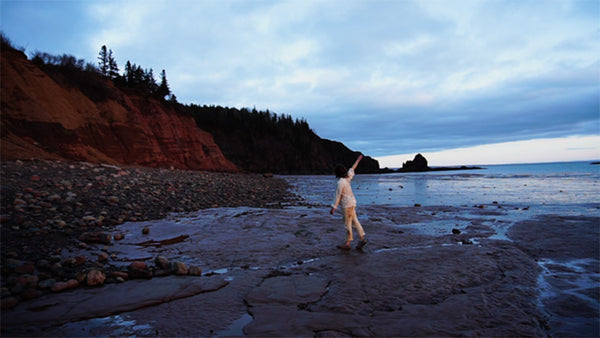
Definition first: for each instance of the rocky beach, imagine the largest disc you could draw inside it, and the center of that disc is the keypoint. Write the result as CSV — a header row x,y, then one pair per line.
x,y
187,253
49,207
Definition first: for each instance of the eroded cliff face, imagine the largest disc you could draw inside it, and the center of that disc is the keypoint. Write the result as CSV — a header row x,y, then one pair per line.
x,y
42,118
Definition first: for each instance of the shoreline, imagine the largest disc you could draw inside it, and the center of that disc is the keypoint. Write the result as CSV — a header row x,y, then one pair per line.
x,y
271,268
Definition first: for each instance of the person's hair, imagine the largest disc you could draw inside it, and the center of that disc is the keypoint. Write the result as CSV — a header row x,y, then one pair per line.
x,y
340,171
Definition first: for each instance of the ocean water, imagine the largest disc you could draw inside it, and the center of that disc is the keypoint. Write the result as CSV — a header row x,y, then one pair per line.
x,y
558,185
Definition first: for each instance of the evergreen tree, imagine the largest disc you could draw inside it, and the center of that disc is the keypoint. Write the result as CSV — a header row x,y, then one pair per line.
x,y
103,60
128,74
163,89
113,69
149,82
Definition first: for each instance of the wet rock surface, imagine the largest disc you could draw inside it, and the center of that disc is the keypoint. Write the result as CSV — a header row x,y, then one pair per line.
x,y
276,272
568,253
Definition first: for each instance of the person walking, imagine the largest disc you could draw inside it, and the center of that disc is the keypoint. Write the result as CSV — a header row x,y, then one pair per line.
x,y
346,200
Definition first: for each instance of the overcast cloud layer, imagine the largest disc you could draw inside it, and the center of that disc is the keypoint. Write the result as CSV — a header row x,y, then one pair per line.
x,y
383,77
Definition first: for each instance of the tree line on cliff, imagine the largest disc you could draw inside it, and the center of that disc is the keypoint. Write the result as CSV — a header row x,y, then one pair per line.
x,y
260,141
89,77
255,141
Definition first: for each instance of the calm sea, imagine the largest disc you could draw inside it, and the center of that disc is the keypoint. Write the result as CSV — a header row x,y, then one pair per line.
x,y
564,185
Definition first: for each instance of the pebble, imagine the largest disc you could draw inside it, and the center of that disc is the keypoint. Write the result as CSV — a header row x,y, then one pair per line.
x,y
139,269
120,274
9,302
88,219
102,257
55,198
138,265
46,284
31,281
26,267
42,198
60,286
95,237
19,201
72,283
30,293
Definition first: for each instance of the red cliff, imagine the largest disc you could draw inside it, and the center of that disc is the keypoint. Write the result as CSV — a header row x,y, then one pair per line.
x,y
45,118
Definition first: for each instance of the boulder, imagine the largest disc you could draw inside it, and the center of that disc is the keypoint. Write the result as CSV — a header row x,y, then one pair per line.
x,y
195,271
179,268
95,237
162,262
95,277
139,269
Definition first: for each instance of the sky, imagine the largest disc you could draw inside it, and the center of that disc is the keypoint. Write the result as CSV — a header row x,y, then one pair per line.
x,y
459,81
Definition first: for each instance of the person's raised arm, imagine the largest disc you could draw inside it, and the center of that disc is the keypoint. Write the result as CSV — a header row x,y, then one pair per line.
x,y
356,163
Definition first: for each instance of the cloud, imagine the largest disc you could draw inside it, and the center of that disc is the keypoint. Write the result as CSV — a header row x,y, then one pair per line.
x,y
383,77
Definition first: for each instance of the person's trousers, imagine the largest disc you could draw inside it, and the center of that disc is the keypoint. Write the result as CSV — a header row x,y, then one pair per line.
x,y
350,220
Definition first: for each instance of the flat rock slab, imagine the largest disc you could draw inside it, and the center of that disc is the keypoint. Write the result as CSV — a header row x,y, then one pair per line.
x,y
294,289
439,290
110,299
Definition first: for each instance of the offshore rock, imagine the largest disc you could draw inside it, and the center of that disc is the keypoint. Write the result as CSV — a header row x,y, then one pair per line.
x,y
419,163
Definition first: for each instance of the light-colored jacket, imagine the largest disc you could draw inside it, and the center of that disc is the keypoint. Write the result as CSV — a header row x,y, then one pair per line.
x,y
343,192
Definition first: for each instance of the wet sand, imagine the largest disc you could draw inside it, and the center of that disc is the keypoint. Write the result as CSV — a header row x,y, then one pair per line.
x,y
506,271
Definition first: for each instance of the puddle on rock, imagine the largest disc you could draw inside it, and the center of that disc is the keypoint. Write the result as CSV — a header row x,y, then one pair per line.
x,y
113,326
236,329
569,296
